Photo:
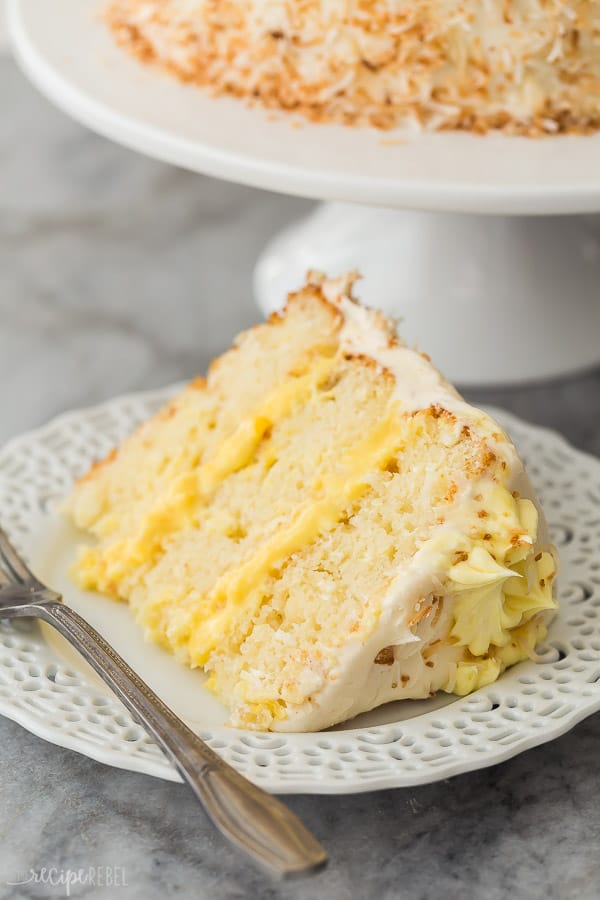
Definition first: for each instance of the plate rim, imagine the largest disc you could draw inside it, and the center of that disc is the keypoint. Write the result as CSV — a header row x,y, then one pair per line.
x,y
416,193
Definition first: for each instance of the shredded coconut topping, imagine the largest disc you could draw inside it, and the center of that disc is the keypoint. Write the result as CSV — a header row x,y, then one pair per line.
x,y
524,66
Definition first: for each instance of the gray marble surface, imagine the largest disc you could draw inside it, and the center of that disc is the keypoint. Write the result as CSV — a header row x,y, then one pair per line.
x,y
118,273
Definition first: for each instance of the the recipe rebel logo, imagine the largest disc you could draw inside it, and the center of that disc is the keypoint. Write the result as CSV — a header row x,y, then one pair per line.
x,y
66,880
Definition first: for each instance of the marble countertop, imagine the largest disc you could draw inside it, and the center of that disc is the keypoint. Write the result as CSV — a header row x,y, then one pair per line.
x,y
96,244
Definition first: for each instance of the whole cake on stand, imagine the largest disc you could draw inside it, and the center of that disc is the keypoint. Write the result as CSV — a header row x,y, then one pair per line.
x,y
504,294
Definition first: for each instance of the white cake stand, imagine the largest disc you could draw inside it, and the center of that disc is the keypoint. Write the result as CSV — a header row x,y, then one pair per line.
x,y
508,293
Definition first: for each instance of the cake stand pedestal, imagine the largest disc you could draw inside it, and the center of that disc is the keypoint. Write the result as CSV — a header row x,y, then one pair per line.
x,y
492,299
495,272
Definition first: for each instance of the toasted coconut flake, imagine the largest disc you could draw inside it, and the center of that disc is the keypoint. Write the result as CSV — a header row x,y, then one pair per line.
x,y
524,68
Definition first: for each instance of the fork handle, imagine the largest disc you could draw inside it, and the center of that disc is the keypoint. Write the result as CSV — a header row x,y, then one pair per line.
x,y
251,818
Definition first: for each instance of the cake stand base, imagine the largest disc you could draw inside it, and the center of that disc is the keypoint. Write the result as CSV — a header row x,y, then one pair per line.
x,y
493,299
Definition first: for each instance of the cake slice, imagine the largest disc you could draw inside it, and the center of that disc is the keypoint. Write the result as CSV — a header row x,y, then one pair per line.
x,y
323,525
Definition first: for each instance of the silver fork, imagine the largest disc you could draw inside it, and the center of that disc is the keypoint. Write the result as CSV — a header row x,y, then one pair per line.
x,y
251,818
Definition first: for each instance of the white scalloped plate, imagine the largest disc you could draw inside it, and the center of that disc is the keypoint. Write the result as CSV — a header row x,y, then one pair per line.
x,y
46,688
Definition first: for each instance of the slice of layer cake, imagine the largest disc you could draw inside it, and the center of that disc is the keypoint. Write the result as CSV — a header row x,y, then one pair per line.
x,y
527,67
323,524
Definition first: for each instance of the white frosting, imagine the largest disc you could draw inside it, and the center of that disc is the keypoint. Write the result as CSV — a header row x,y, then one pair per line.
x,y
418,383
361,684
